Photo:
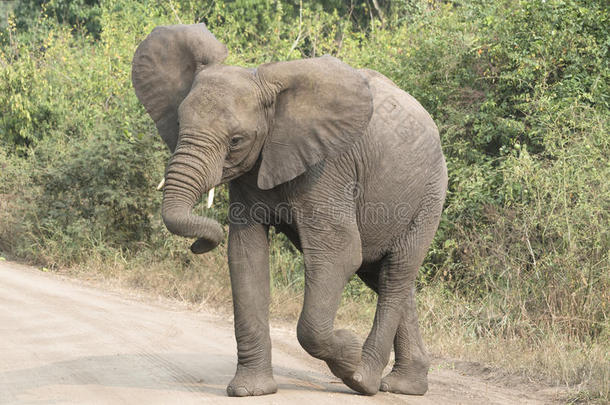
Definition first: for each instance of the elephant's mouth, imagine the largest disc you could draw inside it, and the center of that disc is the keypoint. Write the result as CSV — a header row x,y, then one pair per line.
x,y
230,174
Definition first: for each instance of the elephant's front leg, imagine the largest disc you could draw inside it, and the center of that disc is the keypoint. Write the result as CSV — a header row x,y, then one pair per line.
x,y
249,268
331,258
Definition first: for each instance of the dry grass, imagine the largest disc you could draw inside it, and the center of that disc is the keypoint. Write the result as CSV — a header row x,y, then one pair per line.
x,y
543,353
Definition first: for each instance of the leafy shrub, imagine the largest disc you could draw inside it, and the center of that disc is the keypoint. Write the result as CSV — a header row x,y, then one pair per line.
x,y
106,182
80,14
90,194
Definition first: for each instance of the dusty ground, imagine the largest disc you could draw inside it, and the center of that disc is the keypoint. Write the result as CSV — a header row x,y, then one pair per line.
x,y
63,342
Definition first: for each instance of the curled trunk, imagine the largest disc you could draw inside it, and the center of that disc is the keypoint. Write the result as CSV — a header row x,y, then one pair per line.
x,y
187,178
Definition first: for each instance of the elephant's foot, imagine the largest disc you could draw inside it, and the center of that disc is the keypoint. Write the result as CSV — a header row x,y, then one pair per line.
x,y
364,380
405,382
251,383
347,354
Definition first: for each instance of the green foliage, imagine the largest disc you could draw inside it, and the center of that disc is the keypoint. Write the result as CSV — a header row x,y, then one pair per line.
x,y
518,88
103,187
80,14
91,155
81,196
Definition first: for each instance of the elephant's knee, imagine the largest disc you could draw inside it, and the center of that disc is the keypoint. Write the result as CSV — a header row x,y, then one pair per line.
x,y
313,339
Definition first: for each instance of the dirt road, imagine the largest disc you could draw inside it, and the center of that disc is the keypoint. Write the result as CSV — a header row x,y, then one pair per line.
x,y
63,342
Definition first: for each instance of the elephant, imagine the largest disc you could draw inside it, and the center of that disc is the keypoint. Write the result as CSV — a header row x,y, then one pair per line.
x,y
341,160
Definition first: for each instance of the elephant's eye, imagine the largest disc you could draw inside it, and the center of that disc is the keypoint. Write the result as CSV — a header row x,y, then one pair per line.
x,y
236,140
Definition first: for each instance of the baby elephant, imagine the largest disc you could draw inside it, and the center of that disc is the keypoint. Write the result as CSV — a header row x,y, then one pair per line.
x,y
344,163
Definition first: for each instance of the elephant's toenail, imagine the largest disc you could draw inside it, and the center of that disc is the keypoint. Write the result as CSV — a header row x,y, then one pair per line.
x,y
357,377
241,392
384,387
258,391
230,391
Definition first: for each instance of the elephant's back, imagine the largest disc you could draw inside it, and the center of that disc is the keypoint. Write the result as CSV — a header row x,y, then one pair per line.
x,y
398,117
402,140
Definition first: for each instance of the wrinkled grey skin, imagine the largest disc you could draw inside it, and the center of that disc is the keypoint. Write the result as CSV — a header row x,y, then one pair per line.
x,y
341,160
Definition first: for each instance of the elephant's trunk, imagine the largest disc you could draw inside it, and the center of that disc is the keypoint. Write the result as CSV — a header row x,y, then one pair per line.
x,y
186,179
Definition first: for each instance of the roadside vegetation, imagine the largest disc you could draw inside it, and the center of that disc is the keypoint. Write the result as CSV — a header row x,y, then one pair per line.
x,y
519,273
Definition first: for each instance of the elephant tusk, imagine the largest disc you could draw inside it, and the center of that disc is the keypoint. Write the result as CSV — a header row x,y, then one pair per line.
x,y
161,184
210,197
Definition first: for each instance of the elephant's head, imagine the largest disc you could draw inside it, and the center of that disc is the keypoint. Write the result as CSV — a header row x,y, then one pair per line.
x,y
219,120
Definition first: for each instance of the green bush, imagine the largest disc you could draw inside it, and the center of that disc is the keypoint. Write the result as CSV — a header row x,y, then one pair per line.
x,y
101,188
81,14
96,193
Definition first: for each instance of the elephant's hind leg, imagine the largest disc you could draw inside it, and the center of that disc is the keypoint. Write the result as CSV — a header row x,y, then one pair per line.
x,y
393,281
410,371
409,374
396,316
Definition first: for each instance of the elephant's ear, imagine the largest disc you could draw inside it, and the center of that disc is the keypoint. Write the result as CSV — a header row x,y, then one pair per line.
x,y
164,67
322,106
